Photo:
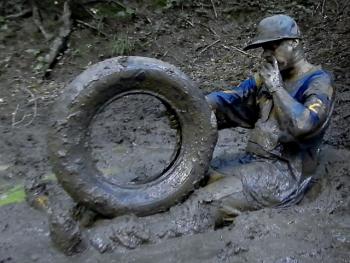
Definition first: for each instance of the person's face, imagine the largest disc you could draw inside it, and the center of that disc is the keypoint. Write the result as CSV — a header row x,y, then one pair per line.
x,y
282,50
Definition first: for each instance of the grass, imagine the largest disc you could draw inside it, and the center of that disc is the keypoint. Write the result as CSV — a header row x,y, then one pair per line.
x,y
14,195
121,45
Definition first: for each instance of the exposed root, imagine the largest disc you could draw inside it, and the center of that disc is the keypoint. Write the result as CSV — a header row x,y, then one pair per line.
x,y
59,43
37,21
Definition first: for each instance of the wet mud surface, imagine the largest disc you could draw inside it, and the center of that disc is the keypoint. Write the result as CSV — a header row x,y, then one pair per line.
x,y
316,230
132,138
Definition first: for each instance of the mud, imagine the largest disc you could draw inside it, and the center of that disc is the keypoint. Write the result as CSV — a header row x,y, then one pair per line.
x,y
317,230
133,144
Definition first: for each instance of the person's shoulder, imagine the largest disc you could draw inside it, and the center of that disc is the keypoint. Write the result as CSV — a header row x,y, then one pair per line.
x,y
322,75
321,81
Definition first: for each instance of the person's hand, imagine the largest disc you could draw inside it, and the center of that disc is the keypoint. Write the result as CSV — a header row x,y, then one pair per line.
x,y
271,75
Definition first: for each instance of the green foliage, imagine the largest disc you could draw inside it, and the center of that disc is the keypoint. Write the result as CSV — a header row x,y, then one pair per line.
x,y
122,45
14,195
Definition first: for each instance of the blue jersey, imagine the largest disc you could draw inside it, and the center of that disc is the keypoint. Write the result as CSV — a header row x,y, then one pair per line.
x,y
241,102
286,131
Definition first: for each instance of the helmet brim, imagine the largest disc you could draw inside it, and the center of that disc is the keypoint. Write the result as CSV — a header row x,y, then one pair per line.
x,y
261,42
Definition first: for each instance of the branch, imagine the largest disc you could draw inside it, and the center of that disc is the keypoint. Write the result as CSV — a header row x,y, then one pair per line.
x,y
215,13
206,48
91,27
209,46
37,21
209,29
59,43
323,6
23,13
241,51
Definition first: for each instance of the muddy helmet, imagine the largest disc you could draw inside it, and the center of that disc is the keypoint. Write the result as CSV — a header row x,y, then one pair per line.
x,y
274,28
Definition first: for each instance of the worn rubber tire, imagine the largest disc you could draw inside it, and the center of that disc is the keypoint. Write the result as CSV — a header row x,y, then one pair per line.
x,y
69,151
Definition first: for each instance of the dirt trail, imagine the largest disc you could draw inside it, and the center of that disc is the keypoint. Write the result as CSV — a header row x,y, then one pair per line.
x,y
185,34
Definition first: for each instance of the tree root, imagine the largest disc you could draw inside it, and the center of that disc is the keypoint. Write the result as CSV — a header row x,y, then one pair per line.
x,y
59,44
37,21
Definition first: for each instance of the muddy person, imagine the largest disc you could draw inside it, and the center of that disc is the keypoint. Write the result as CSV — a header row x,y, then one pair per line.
x,y
287,105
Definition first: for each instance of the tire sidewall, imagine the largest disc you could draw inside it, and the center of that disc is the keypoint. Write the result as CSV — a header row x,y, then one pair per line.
x,y
81,100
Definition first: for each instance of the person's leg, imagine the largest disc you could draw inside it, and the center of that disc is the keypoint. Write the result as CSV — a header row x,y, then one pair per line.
x,y
269,183
202,211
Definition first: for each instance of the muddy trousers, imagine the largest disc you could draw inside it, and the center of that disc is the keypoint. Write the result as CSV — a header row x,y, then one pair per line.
x,y
260,183
206,209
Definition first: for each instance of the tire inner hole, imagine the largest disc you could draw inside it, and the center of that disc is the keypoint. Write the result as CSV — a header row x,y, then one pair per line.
x,y
134,139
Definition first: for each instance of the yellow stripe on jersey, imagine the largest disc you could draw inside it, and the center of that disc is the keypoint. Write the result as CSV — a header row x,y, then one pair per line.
x,y
258,80
315,106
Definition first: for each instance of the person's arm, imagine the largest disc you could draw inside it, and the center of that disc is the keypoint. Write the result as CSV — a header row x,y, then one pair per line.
x,y
300,118
236,105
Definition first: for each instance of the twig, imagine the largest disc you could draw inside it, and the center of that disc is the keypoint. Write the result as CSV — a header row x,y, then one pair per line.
x,y
37,21
212,3
14,114
241,51
148,20
209,46
346,116
119,3
165,53
108,1
204,49
59,43
92,27
189,22
34,114
209,29
213,31
24,12
323,5
35,110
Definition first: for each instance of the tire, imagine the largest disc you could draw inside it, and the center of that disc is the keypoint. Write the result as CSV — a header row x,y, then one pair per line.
x,y
81,100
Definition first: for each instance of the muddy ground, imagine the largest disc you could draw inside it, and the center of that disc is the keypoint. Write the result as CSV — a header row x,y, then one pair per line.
x,y
202,41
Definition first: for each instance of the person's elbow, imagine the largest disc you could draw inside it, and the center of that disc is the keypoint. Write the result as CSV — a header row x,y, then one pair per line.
x,y
304,124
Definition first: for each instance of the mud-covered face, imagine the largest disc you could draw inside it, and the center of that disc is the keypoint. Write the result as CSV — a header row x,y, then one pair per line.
x,y
282,50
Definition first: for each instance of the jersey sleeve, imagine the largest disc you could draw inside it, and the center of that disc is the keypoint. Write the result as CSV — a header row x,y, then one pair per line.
x,y
236,105
318,99
307,115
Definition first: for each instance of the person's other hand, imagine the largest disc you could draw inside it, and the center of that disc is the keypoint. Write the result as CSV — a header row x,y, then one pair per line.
x,y
271,75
